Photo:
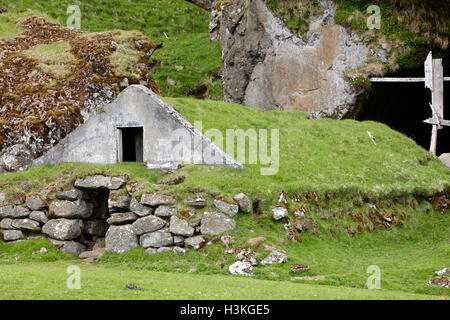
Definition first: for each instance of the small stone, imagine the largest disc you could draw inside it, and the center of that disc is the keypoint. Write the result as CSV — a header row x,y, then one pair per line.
x,y
40,251
195,242
70,195
178,241
164,211
155,199
39,216
440,281
180,251
186,214
148,224
227,240
274,257
70,247
180,227
296,268
198,202
156,239
6,224
226,206
35,202
11,235
241,268
279,213
256,241
118,202
140,209
26,225
214,223
94,254
122,218
244,202
247,255
150,251
131,286
307,224
164,250
445,271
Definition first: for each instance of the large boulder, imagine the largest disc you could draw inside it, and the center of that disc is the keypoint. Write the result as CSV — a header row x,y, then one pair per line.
x,y
120,239
157,239
63,229
79,209
180,227
214,223
148,224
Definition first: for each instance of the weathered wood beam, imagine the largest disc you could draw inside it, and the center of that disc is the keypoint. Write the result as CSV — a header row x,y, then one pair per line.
x,y
441,122
402,79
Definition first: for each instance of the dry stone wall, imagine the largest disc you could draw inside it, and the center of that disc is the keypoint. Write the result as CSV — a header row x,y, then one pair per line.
x,y
102,214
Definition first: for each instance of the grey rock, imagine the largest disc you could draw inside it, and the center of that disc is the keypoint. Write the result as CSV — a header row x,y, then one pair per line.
x,y
14,212
100,182
16,158
93,254
26,225
244,202
120,239
214,223
79,209
164,250
157,239
151,251
35,202
39,216
274,257
99,243
178,241
11,235
95,227
195,242
63,229
6,224
198,202
445,158
139,209
70,247
307,224
241,268
148,224
118,202
164,211
229,207
279,213
180,251
156,199
122,218
180,227
70,195
2,196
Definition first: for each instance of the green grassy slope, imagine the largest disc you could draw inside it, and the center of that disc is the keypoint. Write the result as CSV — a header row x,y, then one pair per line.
x,y
185,25
325,156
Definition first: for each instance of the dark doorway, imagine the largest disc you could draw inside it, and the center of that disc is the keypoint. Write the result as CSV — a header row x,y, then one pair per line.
x,y
132,144
403,107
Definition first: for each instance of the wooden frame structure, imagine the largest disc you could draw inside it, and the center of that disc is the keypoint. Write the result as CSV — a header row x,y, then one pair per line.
x,y
434,80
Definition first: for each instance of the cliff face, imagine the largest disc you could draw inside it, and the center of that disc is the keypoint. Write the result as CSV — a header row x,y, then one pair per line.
x,y
266,66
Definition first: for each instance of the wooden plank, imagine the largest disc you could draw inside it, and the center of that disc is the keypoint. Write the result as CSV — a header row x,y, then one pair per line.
x,y
441,122
437,96
433,140
402,79
429,72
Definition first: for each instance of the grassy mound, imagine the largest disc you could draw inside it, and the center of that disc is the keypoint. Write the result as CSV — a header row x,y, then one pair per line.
x,y
187,64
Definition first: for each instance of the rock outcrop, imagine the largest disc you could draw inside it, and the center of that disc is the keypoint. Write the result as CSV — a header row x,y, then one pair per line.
x,y
268,67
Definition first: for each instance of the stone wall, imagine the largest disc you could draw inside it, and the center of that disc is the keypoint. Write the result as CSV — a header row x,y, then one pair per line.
x,y
102,213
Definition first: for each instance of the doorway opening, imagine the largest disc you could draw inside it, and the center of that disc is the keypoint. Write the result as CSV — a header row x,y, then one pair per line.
x,y
131,144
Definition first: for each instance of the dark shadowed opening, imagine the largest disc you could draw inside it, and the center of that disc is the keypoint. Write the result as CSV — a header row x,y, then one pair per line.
x,y
404,106
132,144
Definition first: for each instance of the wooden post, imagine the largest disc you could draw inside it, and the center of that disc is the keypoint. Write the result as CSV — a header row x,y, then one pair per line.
x,y
437,100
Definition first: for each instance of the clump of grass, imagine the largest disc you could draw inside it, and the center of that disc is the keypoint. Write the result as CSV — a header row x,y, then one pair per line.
x,y
54,58
8,29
